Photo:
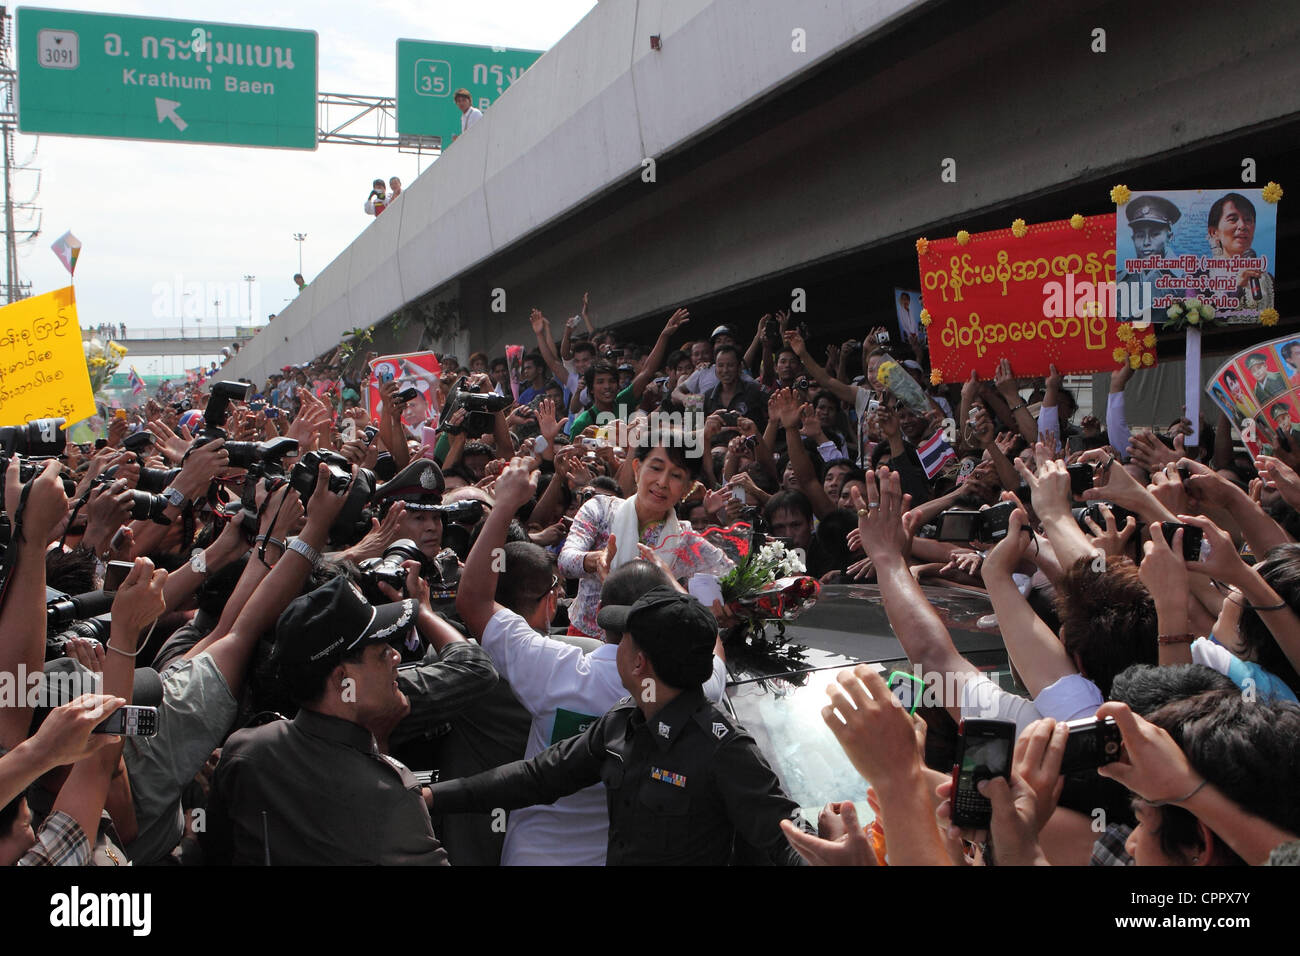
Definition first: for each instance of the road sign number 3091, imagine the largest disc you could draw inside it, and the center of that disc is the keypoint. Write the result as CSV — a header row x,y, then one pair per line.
x,y
57,49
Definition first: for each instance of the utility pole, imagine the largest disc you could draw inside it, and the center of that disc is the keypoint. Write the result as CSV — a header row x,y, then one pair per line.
x,y
15,288
300,237
250,280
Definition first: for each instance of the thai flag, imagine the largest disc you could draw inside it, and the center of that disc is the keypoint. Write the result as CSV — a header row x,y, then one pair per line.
x,y
135,381
934,453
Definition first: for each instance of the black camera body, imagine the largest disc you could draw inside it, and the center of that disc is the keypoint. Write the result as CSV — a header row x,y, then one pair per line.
x,y
243,454
388,570
145,506
990,524
39,438
29,469
479,408
303,478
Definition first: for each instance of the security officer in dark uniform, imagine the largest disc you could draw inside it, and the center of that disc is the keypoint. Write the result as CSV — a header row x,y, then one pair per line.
x,y
682,778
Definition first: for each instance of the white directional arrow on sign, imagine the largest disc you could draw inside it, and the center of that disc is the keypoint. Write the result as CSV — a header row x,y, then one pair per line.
x,y
167,110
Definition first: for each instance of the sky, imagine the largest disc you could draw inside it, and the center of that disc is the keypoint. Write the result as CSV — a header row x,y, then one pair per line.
x,y
154,215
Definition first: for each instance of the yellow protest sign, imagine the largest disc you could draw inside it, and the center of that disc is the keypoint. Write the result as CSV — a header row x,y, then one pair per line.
x,y
43,370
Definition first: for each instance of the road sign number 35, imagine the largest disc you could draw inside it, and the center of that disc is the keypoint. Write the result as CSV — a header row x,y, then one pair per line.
x,y
432,77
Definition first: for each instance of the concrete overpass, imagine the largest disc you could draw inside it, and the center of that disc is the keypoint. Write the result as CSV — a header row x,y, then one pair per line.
x,y
777,169
144,341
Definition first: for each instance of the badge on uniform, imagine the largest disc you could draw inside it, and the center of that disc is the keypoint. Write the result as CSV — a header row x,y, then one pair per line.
x,y
664,729
667,776
719,730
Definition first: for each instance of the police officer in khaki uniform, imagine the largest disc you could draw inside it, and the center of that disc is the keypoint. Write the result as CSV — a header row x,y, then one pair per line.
x,y
682,778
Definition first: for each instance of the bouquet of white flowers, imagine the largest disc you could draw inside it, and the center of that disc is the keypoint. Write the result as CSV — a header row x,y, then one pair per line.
x,y
770,583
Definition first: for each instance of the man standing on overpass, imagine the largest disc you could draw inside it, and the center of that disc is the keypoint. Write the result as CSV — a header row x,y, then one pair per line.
x,y
469,115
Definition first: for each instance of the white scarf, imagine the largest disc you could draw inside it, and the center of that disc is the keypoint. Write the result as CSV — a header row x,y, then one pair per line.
x,y
626,529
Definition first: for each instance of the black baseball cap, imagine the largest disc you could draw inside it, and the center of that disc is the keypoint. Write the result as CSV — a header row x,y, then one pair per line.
x,y
675,630
335,619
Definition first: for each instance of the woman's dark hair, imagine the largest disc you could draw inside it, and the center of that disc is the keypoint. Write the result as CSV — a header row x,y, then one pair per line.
x,y
72,572
789,501
1281,569
1108,620
1237,199
1148,687
673,443
598,367
606,483
1248,750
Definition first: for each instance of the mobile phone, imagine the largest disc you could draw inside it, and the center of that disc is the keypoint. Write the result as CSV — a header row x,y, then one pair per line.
x,y
1184,472
1192,536
983,752
738,494
1092,743
908,688
130,721
408,393
272,411
120,413
1080,477
116,571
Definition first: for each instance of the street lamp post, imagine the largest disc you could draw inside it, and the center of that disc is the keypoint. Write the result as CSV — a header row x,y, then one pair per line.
x,y
250,280
300,237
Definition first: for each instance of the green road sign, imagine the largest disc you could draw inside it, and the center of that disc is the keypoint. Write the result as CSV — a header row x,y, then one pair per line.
x,y
429,73
182,81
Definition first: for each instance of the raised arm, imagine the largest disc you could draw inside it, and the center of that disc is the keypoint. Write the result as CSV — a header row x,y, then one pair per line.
x,y
841,390
476,605
22,616
925,639
655,360
1037,653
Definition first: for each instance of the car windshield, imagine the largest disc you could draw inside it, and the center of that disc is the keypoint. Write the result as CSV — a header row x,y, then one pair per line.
x,y
781,706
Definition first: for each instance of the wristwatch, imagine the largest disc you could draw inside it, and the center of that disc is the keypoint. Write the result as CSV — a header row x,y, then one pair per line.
x,y
306,550
175,497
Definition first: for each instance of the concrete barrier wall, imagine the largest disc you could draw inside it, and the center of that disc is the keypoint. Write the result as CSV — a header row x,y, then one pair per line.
x,y
581,120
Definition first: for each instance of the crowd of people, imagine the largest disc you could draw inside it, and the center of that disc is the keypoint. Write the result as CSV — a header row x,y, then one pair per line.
x,y
475,635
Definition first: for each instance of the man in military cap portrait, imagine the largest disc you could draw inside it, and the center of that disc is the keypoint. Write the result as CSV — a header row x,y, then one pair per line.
x,y
1151,220
1268,384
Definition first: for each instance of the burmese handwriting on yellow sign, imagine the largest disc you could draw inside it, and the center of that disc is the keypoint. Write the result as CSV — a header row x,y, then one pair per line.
x,y
42,365
961,273
976,332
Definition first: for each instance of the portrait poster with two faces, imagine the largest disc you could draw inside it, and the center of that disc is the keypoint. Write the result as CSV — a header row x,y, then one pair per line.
x,y
1217,246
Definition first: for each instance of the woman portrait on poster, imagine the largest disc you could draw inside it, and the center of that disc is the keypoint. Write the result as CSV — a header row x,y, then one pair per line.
x,y
1230,229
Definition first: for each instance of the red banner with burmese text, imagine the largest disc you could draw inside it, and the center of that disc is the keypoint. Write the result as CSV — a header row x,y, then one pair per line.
x,y
1036,295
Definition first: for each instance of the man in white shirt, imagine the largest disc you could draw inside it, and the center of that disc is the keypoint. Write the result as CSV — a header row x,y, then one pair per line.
x,y
469,115
564,687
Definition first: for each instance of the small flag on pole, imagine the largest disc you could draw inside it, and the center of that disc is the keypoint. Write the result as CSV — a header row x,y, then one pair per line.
x,y
67,247
934,453
137,383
